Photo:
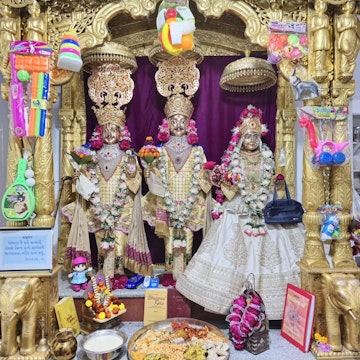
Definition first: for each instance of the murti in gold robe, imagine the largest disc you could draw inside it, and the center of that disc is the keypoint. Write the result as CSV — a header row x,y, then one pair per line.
x,y
179,199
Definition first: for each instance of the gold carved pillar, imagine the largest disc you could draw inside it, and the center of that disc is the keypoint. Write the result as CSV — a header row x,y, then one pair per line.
x,y
72,116
285,133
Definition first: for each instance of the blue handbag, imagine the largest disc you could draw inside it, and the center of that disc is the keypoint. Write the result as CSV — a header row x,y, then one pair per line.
x,y
283,211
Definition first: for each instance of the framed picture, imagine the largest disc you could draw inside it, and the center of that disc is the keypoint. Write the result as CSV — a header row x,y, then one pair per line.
x,y
26,248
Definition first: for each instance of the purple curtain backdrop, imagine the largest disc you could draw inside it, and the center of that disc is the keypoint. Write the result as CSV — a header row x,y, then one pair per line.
x,y
216,112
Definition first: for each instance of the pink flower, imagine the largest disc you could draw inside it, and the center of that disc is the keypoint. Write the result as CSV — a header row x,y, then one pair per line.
x,y
193,139
216,216
209,165
163,136
96,144
125,145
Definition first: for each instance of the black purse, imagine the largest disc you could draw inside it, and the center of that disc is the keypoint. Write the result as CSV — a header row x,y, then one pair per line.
x,y
283,211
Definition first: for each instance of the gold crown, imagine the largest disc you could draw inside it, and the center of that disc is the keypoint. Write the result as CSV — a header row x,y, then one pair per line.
x,y
178,105
110,114
110,87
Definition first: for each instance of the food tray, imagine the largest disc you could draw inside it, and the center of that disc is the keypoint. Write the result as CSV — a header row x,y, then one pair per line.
x,y
166,325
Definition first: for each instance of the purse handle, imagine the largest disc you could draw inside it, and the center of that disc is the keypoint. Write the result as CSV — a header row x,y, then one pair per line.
x,y
286,189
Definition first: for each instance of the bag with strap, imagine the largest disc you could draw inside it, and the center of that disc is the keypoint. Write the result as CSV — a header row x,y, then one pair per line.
x,y
283,211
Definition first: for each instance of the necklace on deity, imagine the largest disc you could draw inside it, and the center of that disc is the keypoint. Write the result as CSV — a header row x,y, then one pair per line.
x,y
179,150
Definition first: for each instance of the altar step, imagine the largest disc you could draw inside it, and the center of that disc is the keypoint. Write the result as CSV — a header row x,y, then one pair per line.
x,y
133,299
178,305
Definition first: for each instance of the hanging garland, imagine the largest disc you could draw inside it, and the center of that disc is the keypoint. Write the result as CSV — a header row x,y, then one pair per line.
x,y
179,215
108,214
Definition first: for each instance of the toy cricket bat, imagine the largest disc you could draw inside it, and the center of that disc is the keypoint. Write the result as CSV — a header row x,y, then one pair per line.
x,y
18,202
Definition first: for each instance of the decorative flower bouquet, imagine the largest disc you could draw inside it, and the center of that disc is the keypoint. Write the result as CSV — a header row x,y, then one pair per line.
x,y
83,154
149,151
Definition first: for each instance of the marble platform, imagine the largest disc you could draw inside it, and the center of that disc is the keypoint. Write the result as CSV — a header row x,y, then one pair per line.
x,y
280,348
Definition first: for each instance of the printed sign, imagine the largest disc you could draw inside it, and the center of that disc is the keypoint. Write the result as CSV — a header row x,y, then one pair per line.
x,y
26,249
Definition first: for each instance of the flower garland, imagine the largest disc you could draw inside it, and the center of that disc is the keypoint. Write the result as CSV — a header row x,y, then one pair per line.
x,y
232,170
256,202
179,215
246,315
108,214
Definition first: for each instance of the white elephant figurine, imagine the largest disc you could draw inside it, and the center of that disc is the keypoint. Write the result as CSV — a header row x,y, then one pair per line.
x,y
342,310
19,299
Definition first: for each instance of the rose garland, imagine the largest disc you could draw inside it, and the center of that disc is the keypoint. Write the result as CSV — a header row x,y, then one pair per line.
x,y
246,315
108,214
179,215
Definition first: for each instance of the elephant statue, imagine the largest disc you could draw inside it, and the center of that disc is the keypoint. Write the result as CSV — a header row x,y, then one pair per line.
x,y
19,301
342,310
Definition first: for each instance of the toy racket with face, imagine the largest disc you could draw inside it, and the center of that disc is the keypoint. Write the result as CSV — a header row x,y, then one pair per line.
x,y
18,202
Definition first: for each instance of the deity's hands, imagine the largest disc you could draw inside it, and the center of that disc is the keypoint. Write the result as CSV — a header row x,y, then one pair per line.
x,y
131,167
76,175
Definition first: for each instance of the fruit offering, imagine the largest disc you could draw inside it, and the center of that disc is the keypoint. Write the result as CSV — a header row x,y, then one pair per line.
x,y
100,299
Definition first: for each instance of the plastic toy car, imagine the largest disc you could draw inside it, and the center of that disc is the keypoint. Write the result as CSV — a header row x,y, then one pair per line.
x,y
134,282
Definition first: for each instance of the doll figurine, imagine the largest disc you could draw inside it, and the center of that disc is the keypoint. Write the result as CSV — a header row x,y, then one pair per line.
x,y
78,277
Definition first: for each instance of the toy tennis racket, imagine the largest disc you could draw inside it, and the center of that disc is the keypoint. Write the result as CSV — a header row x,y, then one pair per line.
x,y
18,202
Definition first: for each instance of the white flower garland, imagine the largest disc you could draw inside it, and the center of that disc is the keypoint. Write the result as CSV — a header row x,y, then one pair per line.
x,y
254,202
179,215
108,214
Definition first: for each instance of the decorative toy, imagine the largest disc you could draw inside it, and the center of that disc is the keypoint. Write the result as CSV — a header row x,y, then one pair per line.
x,y
18,202
326,152
30,67
330,228
287,40
70,52
176,25
304,87
79,280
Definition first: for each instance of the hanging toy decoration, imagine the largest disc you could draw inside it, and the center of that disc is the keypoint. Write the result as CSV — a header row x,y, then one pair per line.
x,y
176,25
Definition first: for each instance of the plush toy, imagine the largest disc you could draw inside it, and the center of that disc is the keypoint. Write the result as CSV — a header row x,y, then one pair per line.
x,y
79,280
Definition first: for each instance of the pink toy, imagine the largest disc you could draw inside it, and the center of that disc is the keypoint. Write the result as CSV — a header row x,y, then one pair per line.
x,y
78,277
29,87
17,101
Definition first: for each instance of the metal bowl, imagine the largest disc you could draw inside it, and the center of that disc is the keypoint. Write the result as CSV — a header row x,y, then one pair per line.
x,y
166,325
103,344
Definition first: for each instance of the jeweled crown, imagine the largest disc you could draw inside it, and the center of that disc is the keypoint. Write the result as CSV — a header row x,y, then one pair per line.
x,y
178,105
178,80
111,88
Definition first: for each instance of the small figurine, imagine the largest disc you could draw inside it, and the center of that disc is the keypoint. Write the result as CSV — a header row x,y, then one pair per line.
x,y
78,277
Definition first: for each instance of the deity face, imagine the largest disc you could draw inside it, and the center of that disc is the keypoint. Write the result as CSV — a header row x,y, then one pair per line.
x,y
178,124
110,133
251,141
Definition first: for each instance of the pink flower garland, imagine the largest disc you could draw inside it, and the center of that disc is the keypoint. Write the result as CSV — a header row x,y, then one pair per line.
x,y
246,315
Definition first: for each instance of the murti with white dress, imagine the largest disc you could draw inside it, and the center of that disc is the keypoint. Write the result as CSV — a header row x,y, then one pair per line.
x,y
239,242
